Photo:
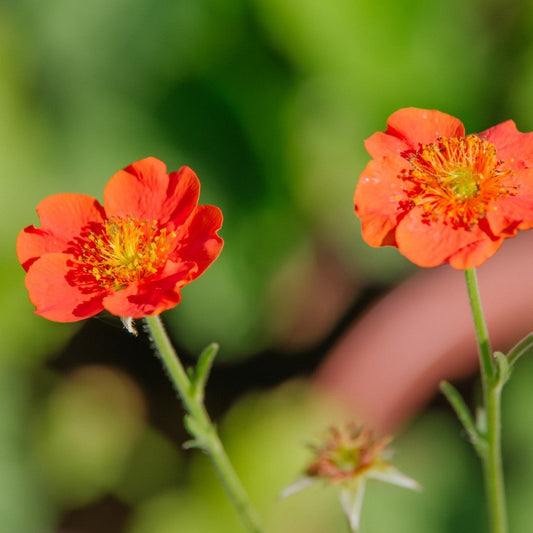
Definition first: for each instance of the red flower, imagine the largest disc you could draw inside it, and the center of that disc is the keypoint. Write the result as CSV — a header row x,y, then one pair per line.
x,y
131,256
440,196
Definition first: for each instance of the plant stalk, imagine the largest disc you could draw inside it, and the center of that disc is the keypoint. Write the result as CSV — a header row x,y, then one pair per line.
x,y
200,426
492,386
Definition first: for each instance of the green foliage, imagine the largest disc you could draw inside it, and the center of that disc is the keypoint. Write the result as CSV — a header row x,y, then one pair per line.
x,y
269,101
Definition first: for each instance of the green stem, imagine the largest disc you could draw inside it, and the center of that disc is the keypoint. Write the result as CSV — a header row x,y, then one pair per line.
x,y
482,334
492,386
492,462
200,426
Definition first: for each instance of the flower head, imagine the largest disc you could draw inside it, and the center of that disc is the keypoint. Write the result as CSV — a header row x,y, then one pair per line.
x,y
346,454
439,195
130,256
347,458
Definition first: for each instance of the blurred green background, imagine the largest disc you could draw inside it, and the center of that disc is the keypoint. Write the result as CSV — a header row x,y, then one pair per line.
x,y
269,101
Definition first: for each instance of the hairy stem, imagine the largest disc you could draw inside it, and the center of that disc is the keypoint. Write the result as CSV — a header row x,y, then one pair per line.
x,y
200,426
492,386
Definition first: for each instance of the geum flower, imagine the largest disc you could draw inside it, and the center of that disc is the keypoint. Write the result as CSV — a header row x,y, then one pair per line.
x,y
347,457
440,196
130,256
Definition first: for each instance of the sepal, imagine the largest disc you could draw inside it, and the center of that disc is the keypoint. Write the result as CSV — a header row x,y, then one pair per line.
x,y
127,322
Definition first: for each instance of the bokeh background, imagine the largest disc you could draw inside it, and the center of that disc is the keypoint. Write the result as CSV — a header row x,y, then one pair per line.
x,y
269,101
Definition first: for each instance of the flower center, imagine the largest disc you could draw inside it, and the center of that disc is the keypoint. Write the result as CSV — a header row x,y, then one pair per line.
x,y
125,251
346,459
457,180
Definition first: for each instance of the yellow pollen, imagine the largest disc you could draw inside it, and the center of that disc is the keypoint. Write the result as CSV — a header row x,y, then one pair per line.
x,y
457,180
125,251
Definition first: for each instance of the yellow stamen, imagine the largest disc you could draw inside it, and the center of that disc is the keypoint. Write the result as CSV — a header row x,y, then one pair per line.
x,y
125,251
457,180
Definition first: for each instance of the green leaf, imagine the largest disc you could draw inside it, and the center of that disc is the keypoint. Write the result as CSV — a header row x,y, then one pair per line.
x,y
203,369
503,368
521,348
464,415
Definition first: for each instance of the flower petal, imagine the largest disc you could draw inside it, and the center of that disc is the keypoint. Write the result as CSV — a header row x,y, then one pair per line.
x,y
63,217
200,243
475,253
301,483
514,212
377,199
382,144
144,190
182,196
423,126
53,296
352,502
429,245
390,474
510,143
150,298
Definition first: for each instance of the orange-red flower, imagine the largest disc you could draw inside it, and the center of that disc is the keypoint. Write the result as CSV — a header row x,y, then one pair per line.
x,y
130,256
439,195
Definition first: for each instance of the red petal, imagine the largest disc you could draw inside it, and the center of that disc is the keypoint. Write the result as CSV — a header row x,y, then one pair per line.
x,y
377,199
145,191
63,216
475,254
383,144
200,243
514,212
146,299
32,243
432,244
423,126
183,194
55,298
510,143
